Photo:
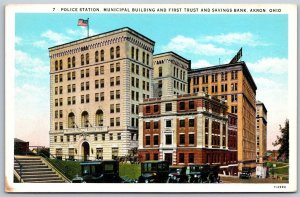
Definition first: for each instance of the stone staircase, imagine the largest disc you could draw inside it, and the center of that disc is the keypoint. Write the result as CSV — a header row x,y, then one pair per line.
x,y
36,170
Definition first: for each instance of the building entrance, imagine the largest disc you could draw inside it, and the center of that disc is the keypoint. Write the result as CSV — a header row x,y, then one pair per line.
x,y
85,151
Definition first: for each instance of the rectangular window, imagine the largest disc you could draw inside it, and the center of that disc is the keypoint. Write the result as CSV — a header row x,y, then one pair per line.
x,y
73,100
132,81
118,67
155,140
137,83
112,108
82,99
112,122
168,123
102,96
137,96
112,68
112,95
181,123
87,85
118,121
155,156
95,137
205,79
155,124
82,73
96,71
68,138
234,75
99,153
191,122
103,136
181,139
82,86
117,108
118,95
233,98
119,136
111,136
224,76
87,98
73,87
181,157
101,83
168,106
181,105
137,69
96,84
168,138
73,75
147,125
147,109
191,139
214,78
147,156
112,81
160,84
234,109
191,105
147,140
118,80
102,70
156,108
191,157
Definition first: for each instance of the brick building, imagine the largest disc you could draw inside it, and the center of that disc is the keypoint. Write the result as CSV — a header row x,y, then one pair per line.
x,y
187,129
233,83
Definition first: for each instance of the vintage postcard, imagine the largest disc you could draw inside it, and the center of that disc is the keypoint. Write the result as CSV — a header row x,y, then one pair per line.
x,y
151,98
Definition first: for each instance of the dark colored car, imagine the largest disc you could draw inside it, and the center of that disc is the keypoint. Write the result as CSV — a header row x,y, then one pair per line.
x,y
154,172
213,176
106,171
246,173
198,173
177,174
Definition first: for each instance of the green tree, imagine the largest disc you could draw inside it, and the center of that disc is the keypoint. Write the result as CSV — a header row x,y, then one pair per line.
x,y
283,140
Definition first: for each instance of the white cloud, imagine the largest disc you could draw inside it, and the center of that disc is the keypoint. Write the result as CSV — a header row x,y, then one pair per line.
x,y
18,40
201,64
235,38
56,38
270,65
41,44
190,45
29,66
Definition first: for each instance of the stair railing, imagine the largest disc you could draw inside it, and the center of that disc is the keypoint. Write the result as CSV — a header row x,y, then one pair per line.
x,y
21,168
59,168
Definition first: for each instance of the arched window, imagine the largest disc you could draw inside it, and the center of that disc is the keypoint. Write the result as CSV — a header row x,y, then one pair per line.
x,y
117,51
82,59
132,52
97,56
143,57
112,51
73,61
60,64
102,55
99,118
87,58
71,120
56,65
69,62
147,59
85,119
137,54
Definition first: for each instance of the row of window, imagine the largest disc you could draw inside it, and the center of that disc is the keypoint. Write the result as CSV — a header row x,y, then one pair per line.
x,y
214,77
135,69
135,54
168,123
176,73
135,82
214,88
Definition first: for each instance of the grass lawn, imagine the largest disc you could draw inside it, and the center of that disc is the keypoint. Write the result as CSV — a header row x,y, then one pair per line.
x,y
72,168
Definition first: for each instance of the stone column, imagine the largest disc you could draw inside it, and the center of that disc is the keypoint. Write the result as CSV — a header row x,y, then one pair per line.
x,y
209,132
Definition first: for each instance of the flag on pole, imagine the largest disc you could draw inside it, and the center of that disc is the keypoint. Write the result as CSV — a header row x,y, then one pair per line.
x,y
82,22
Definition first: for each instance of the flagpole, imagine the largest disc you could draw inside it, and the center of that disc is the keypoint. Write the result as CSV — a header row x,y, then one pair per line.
x,y
88,28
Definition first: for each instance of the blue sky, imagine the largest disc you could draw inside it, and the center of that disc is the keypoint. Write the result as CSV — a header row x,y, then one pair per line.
x,y
201,38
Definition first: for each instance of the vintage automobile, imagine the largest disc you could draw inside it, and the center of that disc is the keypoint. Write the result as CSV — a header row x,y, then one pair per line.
x,y
213,176
106,171
198,173
177,174
246,173
154,172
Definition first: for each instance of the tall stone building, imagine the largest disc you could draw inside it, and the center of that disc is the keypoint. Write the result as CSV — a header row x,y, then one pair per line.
x,y
170,74
96,84
233,83
261,131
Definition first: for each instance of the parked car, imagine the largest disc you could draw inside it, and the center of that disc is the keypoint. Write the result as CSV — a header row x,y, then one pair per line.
x,y
177,174
213,176
198,173
246,173
106,171
154,172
